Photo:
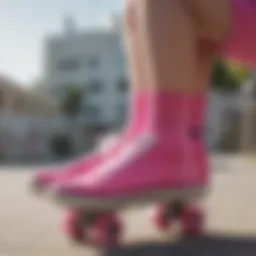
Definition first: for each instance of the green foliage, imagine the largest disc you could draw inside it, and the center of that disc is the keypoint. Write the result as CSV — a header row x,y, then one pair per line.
x,y
227,76
222,78
238,71
72,102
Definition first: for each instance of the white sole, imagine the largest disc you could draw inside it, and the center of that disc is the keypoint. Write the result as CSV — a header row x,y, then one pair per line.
x,y
114,203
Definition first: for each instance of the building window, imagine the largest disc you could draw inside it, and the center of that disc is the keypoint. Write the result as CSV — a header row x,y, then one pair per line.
x,y
92,112
95,86
93,62
122,85
69,64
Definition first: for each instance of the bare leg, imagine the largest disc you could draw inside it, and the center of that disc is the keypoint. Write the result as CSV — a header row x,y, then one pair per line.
x,y
173,46
170,44
138,76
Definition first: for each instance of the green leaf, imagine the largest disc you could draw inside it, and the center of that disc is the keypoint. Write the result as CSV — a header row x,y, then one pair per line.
x,y
227,76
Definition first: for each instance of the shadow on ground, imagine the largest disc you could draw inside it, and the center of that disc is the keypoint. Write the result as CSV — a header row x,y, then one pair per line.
x,y
207,246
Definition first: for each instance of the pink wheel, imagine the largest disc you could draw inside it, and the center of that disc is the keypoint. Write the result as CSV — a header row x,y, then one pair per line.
x,y
107,230
192,221
73,226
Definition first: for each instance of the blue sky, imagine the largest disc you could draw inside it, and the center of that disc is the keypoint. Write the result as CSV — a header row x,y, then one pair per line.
x,y
24,23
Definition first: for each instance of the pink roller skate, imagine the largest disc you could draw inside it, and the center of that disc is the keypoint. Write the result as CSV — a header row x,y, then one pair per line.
x,y
47,177
166,163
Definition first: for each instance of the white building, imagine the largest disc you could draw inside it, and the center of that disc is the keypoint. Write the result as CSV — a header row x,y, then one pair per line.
x,y
93,61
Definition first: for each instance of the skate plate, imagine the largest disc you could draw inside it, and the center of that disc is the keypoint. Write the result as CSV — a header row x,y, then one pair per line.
x,y
122,202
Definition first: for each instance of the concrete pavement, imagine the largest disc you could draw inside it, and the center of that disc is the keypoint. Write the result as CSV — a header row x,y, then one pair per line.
x,y
30,227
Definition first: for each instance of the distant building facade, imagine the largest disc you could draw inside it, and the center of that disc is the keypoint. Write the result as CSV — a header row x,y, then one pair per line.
x,y
93,61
